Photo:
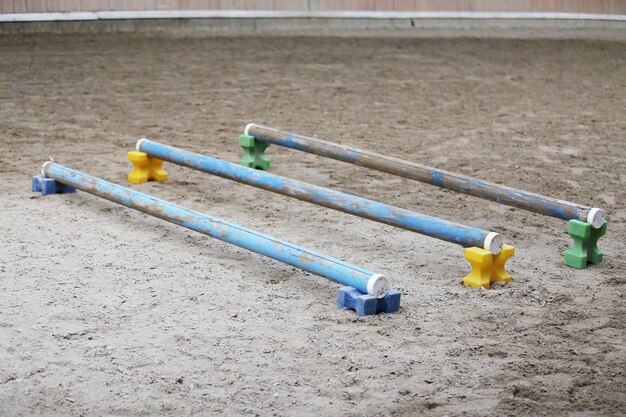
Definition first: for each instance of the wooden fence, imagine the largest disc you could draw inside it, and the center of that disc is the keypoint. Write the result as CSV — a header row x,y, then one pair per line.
x,y
559,6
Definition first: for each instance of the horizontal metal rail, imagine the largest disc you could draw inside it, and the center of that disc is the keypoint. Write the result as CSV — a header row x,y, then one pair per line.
x,y
303,14
358,206
479,188
289,253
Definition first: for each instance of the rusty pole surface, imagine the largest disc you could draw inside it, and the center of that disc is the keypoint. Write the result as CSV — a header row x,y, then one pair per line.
x,y
452,181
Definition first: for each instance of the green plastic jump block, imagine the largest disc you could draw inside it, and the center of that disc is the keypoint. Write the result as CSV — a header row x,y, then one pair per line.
x,y
585,249
253,156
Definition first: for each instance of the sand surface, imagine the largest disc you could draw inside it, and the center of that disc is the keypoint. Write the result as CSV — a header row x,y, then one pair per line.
x,y
105,311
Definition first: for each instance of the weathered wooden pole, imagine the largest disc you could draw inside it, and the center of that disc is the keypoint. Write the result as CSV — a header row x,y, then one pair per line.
x,y
334,269
420,223
488,190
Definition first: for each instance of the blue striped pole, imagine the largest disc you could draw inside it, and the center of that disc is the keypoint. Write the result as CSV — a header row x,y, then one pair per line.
x,y
323,265
488,190
358,206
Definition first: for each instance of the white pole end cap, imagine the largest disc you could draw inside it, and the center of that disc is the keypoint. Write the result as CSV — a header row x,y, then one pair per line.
x,y
43,167
138,145
246,131
378,285
596,217
493,242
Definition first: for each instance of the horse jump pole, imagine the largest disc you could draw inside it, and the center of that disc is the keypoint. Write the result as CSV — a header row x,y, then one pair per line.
x,y
490,191
431,226
334,269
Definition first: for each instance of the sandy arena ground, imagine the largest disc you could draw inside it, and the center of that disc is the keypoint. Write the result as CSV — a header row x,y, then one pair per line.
x,y
106,311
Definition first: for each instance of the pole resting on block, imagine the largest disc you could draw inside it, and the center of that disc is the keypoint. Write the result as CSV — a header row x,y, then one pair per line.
x,y
585,250
366,304
145,168
253,153
49,186
487,267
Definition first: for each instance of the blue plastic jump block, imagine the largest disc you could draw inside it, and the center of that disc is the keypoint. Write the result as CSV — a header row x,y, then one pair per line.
x,y
368,305
50,186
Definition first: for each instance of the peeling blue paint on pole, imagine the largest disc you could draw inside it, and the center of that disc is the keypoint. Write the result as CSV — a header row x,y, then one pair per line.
x,y
289,253
420,223
484,189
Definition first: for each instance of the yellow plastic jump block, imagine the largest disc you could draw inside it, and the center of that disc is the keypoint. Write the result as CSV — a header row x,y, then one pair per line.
x,y
486,267
146,168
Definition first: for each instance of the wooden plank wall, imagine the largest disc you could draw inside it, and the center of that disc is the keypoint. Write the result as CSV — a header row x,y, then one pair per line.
x,y
565,6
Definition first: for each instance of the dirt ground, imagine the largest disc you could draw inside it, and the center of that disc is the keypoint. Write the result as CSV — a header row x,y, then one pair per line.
x,y
106,311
